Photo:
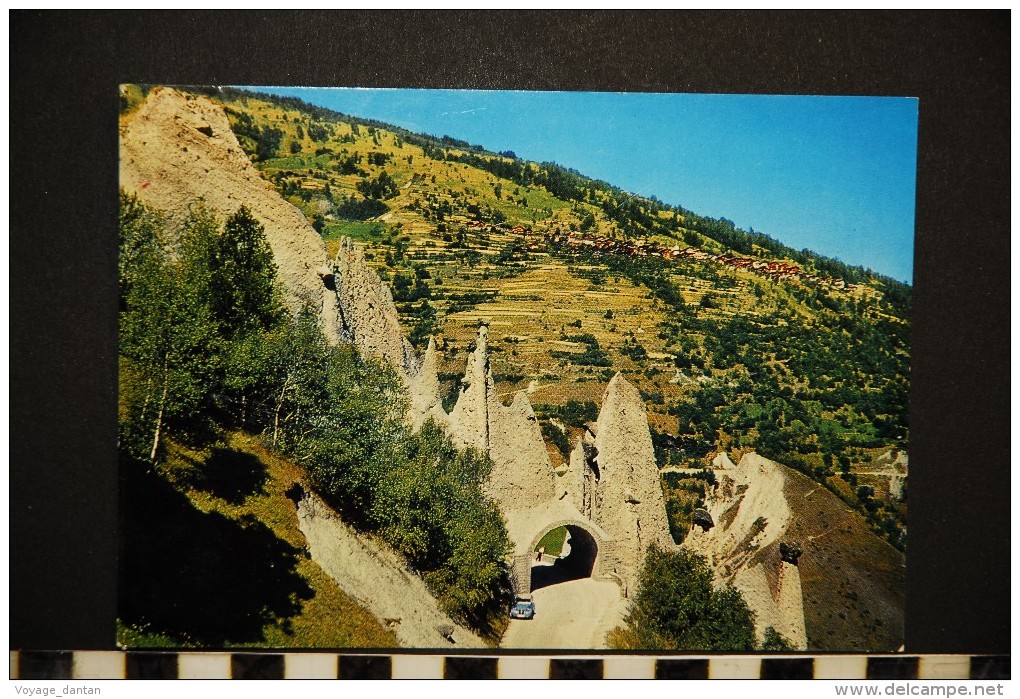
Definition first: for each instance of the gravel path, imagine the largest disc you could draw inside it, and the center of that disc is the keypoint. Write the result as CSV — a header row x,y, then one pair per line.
x,y
574,614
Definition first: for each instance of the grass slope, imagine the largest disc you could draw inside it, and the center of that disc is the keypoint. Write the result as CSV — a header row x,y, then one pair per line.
x,y
552,542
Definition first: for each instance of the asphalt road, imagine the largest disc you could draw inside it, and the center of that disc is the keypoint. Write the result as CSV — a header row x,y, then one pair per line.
x,y
573,614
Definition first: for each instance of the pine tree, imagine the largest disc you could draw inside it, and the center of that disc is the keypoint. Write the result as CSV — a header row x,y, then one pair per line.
x,y
141,237
243,278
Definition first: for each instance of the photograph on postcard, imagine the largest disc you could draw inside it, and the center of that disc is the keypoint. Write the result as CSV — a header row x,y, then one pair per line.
x,y
453,369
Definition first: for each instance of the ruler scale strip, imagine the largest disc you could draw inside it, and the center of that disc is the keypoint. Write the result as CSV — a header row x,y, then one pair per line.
x,y
101,665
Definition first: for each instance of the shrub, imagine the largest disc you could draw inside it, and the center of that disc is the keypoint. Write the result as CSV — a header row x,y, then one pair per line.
x,y
572,412
557,438
775,641
677,608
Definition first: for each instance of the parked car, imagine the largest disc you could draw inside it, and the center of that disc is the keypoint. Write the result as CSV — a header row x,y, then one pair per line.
x,y
524,608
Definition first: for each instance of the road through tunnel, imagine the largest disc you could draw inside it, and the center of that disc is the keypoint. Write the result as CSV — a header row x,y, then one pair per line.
x,y
575,561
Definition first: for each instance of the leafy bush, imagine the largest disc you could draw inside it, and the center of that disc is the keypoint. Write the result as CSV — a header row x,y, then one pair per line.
x,y
634,350
424,497
572,412
318,132
557,438
592,354
774,641
380,187
268,144
354,209
676,607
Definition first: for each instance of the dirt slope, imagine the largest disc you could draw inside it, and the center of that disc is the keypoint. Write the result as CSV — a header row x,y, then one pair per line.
x,y
375,576
752,516
850,581
853,582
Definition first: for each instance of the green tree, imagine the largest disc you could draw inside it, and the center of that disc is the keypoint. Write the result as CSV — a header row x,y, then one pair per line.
x,y
242,279
197,249
141,238
381,187
774,641
232,272
269,141
288,378
171,343
677,608
319,222
430,507
195,325
343,433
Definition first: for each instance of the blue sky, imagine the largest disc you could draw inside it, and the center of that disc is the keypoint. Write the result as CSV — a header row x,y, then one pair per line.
x,y
832,174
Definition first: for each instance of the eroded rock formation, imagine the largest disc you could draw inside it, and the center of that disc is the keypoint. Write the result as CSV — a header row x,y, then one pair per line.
x,y
178,148
469,419
610,486
377,577
425,391
752,515
630,503
522,475
365,313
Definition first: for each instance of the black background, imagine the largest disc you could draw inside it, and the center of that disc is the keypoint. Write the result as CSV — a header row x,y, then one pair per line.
x,y
64,72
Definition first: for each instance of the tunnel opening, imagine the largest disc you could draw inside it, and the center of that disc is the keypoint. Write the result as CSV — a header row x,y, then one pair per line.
x,y
575,560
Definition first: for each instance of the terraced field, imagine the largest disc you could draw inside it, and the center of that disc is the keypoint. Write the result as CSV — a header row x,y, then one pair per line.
x,y
724,358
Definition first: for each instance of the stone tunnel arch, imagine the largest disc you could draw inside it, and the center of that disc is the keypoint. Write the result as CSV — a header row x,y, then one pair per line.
x,y
581,562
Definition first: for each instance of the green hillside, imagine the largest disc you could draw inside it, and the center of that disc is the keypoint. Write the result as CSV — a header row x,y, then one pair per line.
x,y
809,368
214,531
229,408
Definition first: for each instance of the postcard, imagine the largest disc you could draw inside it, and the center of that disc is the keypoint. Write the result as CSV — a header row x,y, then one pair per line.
x,y
453,369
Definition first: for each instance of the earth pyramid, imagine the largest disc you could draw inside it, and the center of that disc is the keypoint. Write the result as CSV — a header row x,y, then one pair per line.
x,y
609,497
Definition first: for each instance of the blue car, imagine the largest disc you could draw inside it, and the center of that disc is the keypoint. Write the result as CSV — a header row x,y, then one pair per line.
x,y
523,608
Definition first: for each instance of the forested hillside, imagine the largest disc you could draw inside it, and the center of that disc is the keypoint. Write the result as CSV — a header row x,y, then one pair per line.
x,y
258,378
209,357
736,341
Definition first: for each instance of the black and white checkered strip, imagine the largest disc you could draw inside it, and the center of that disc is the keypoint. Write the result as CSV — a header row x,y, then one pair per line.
x,y
53,665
